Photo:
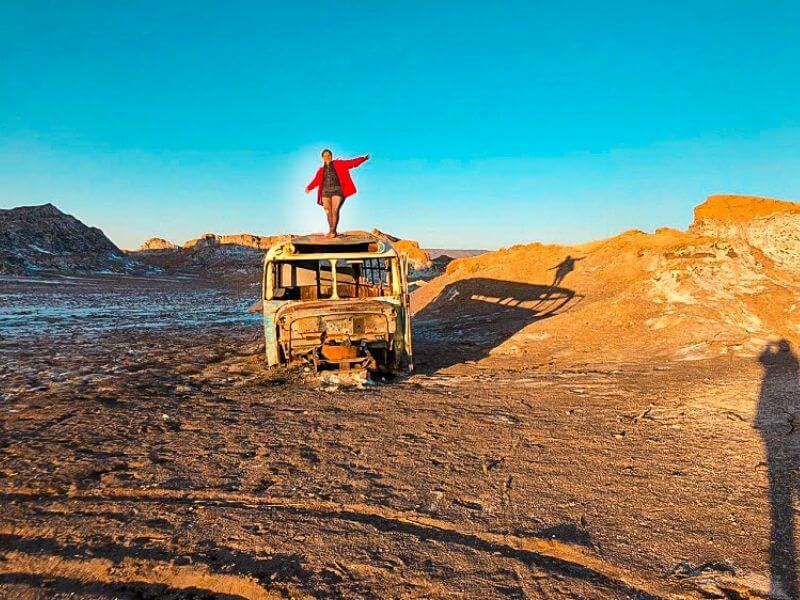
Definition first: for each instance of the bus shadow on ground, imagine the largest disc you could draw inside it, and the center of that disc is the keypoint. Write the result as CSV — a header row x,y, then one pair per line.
x,y
471,317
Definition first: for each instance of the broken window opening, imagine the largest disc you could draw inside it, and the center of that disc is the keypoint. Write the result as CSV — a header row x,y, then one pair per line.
x,y
319,279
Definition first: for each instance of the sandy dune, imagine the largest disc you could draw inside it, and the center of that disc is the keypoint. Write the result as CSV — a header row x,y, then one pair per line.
x,y
721,288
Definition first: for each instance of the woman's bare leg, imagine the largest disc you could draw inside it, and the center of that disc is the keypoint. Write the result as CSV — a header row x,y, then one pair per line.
x,y
326,204
336,206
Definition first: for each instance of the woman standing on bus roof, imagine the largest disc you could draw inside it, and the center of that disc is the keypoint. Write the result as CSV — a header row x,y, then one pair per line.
x,y
334,185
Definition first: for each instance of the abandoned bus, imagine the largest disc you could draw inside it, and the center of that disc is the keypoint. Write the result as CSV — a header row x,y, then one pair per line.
x,y
337,303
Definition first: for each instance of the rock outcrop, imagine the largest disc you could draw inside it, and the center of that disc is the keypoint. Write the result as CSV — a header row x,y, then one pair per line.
x,y
771,226
209,255
156,244
732,208
418,259
262,242
34,239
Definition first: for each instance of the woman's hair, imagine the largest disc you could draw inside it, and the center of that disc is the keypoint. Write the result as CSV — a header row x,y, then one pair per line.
x,y
326,150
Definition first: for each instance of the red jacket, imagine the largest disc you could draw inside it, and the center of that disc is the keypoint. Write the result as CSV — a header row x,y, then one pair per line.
x,y
342,168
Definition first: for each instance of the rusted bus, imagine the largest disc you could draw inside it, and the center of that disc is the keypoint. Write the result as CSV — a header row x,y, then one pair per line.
x,y
339,302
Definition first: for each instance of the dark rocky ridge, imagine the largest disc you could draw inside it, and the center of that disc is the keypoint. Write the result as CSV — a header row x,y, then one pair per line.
x,y
42,238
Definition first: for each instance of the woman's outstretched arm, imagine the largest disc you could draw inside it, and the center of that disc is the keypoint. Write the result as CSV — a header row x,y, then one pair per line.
x,y
351,163
315,182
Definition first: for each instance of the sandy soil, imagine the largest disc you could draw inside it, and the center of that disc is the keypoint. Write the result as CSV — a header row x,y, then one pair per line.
x,y
147,453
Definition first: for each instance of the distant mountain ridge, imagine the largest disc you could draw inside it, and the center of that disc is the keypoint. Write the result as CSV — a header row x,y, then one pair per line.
x,y
453,253
210,254
42,238
240,254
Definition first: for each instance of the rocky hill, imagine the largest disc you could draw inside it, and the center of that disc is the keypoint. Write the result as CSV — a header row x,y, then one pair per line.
x,y
42,238
726,286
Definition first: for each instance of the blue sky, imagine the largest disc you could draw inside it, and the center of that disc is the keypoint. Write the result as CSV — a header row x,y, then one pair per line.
x,y
489,123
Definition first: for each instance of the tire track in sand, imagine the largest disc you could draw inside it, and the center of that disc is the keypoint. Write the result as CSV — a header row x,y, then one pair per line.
x,y
549,554
129,573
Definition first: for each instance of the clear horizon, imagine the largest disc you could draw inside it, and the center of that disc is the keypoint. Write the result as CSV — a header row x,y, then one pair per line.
x,y
487,127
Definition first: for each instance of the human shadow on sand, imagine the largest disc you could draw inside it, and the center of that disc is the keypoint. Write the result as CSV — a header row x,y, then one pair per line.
x,y
472,316
564,268
778,420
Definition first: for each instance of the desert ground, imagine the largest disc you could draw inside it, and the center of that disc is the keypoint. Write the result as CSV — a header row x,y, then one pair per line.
x,y
146,452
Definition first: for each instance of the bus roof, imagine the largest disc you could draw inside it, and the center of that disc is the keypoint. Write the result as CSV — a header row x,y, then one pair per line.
x,y
359,244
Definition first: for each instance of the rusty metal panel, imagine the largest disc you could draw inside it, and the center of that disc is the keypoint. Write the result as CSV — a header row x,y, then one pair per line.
x,y
405,313
270,332
340,325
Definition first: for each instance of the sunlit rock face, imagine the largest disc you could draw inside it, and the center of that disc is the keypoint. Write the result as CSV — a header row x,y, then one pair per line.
x,y
733,208
248,240
771,226
157,243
